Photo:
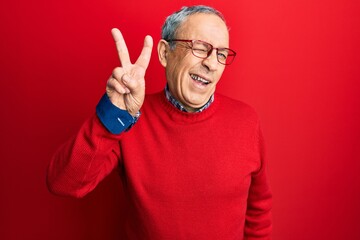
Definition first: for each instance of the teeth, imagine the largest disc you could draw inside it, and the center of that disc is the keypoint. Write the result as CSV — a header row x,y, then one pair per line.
x,y
197,78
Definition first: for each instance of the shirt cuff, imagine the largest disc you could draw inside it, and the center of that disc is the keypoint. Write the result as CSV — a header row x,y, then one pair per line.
x,y
114,119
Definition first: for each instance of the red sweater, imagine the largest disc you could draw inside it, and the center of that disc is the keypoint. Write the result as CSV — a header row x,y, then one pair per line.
x,y
186,175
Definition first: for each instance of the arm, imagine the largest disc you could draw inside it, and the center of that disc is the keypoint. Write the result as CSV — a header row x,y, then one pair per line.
x,y
258,224
80,164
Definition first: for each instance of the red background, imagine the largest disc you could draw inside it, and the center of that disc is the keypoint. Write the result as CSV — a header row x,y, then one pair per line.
x,y
298,64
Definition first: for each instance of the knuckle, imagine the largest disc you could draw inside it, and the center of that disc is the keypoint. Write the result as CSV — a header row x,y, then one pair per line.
x,y
110,82
117,72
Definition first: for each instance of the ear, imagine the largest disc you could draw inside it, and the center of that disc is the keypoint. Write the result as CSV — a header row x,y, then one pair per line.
x,y
163,48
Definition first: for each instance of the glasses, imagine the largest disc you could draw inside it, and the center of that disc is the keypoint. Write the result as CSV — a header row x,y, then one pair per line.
x,y
203,50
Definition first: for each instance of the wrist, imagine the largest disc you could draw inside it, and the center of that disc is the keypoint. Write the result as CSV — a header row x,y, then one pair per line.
x,y
114,119
117,101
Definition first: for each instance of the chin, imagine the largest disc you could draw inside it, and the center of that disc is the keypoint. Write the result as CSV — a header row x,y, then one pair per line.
x,y
198,103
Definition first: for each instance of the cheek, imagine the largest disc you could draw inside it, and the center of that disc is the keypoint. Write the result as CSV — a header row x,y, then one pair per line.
x,y
179,66
172,71
219,74
177,72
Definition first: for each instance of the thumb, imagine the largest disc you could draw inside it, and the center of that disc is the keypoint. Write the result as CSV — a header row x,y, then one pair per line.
x,y
132,84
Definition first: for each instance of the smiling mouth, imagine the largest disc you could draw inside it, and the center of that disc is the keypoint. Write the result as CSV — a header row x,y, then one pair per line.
x,y
199,79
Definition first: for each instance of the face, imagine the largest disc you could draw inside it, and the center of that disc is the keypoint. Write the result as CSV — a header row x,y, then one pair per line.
x,y
193,80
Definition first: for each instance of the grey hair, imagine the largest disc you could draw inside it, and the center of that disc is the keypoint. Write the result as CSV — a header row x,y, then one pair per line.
x,y
173,22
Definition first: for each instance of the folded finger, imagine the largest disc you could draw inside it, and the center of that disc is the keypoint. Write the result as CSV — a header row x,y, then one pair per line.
x,y
117,86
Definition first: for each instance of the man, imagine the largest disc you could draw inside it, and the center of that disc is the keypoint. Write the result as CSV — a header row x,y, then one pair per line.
x,y
192,163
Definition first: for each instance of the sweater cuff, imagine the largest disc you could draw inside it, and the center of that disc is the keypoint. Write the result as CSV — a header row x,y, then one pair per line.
x,y
113,118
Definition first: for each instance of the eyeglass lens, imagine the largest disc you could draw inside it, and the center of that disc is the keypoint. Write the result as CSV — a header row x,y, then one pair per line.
x,y
203,50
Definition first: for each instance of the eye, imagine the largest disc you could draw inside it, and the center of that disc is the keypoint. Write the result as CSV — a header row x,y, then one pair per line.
x,y
222,54
201,47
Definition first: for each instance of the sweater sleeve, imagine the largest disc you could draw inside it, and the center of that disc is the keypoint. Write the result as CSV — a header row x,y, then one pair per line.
x,y
82,162
258,223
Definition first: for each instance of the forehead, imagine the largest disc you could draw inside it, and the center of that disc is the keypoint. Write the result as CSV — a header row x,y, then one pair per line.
x,y
206,27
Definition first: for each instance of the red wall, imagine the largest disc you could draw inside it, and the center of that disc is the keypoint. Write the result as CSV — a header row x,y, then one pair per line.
x,y
298,64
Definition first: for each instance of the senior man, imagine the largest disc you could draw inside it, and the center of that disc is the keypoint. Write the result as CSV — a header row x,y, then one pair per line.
x,y
191,160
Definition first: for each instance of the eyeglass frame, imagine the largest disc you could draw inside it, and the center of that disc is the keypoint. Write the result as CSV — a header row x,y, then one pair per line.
x,y
209,52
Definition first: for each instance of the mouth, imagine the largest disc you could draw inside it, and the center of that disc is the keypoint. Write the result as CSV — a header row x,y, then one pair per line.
x,y
199,79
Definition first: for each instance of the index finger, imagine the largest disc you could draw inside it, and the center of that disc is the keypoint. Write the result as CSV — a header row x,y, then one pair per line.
x,y
121,47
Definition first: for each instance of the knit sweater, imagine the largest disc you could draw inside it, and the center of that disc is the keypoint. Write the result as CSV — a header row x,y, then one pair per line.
x,y
185,175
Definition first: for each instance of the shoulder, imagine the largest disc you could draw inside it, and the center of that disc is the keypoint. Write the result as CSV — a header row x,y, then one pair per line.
x,y
236,108
154,102
153,99
154,96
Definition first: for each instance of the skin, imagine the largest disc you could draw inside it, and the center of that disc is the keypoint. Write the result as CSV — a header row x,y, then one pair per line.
x,y
126,86
180,62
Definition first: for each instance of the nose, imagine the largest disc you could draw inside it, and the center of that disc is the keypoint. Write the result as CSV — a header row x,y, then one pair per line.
x,y
211,62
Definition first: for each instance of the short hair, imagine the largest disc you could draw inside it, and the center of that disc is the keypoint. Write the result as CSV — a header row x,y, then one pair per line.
x,y
174,21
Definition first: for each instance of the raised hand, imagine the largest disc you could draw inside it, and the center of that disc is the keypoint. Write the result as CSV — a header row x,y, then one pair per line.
x,y
126,86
